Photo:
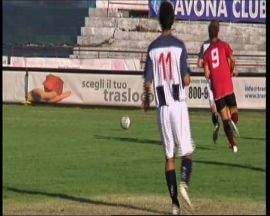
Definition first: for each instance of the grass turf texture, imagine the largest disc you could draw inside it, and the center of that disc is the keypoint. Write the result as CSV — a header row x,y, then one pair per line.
x,y
59,160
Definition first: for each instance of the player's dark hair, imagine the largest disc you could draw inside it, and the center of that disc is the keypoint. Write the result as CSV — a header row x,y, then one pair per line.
x,y
213,29
166,15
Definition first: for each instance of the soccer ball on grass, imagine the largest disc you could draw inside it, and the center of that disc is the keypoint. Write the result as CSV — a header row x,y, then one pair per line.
x,y
125,122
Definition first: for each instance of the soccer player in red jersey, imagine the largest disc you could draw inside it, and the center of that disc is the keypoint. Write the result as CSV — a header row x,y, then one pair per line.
x,y
219,64
215,119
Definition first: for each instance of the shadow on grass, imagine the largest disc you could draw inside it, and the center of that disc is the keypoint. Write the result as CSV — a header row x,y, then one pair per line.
x,y
156,142
230,165
140,141
129,139
82,200
252,138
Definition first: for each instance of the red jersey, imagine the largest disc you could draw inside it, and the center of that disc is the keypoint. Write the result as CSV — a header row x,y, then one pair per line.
x,y
216,58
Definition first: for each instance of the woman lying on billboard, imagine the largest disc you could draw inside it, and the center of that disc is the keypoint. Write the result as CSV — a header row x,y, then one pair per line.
x,y
51,93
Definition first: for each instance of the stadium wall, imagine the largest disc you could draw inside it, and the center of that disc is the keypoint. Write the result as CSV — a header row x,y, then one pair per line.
x,y
120,88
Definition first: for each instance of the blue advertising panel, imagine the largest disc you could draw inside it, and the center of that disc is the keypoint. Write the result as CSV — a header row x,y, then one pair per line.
x,y
243,11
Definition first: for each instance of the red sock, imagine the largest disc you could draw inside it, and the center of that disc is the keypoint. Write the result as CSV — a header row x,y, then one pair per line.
x,y
235,117
228,132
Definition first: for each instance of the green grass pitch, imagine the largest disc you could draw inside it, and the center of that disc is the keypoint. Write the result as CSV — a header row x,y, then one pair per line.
x,y
68,160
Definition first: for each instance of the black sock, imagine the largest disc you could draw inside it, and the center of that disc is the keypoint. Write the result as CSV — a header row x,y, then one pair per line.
x,y
172,186
215,118
186,169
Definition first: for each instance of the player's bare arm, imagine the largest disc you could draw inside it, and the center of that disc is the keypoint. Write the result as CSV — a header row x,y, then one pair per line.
x,y
46,96
146,98
206,72
58,98
232,65
187,80
200,63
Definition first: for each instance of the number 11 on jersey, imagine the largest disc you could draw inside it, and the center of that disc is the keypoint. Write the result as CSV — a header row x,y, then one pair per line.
x,y
165,62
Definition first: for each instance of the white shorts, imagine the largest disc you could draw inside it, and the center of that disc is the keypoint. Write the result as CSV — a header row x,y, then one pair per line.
x,y
210,93
175,129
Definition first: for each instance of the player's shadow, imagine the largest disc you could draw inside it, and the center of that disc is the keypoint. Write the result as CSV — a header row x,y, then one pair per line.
x,y
140,141
82,200
230,165
129,139
252,138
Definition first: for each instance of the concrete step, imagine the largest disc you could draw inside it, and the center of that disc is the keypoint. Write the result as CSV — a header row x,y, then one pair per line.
x,y
237,35
150,36
236,41
243,64
127,24
97,31
96,40
127,41
250,54
112,42
259,60
255,62
101,12
100,21
130,44
140,24
193,46
187,27
146,36
108,55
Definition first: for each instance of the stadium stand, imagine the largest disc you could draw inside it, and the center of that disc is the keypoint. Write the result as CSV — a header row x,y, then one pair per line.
x,y
115,33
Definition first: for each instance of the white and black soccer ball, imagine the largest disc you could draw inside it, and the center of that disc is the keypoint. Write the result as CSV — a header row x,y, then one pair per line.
x,y
125,122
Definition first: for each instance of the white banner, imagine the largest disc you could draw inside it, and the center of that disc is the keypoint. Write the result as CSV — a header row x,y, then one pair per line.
x,y
90,64
4,61
17,61
197,94
126,90
250,92
13,85
96,89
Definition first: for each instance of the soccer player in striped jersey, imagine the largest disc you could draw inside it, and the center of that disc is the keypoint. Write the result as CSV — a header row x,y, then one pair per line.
x,y
215,119
167,71
219,67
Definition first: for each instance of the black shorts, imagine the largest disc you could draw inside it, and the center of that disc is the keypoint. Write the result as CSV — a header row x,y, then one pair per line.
x,y
227,101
